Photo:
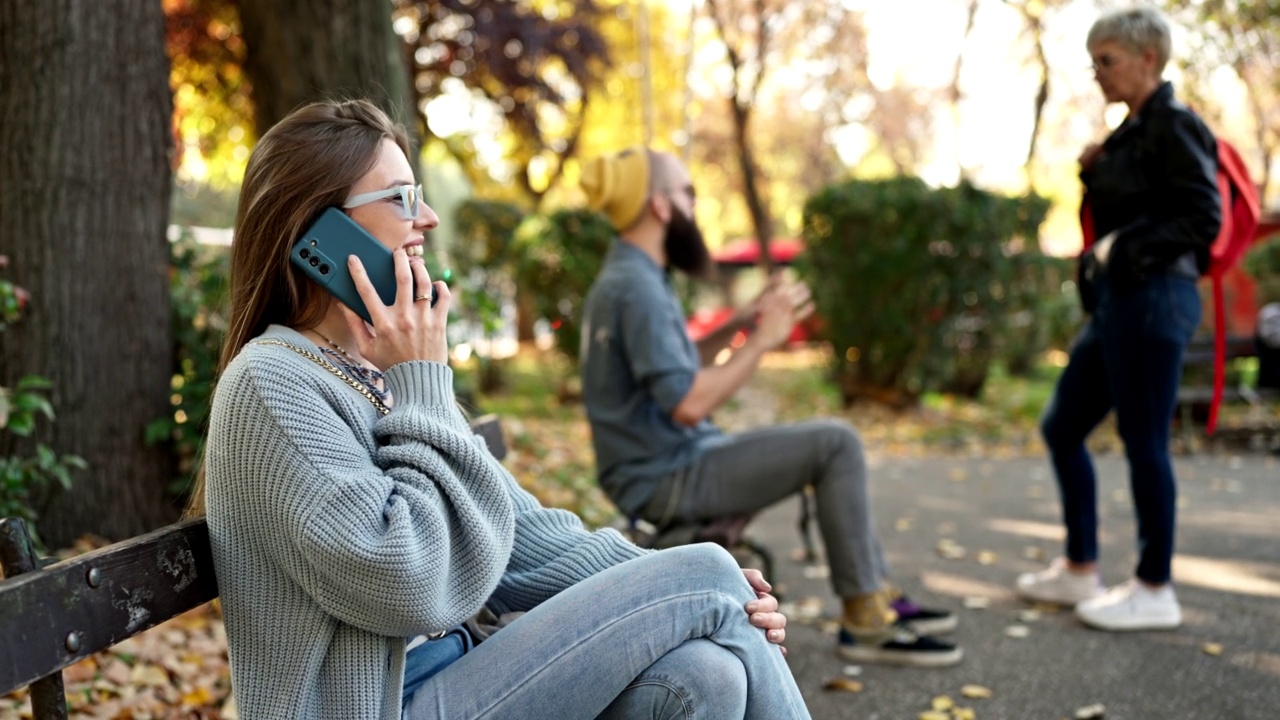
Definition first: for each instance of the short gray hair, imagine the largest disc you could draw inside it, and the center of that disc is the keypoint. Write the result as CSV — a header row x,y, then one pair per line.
x,y
1137,29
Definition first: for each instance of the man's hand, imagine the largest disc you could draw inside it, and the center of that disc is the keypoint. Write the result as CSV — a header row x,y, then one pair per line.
x,y
763,611
781,307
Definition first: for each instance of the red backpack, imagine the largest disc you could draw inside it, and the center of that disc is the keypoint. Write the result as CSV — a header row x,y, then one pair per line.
x,y
1240,212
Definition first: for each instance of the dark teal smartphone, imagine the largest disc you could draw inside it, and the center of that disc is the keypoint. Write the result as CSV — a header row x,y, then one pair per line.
x,y
322,253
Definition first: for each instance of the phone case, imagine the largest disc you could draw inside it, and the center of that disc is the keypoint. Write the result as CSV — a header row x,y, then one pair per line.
x,y
322,253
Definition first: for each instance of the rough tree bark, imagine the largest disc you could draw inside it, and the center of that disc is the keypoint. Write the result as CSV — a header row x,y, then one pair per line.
x,y
744,89
84,192
299,51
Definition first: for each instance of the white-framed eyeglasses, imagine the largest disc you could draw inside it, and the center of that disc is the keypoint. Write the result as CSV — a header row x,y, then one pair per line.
x,y
410,198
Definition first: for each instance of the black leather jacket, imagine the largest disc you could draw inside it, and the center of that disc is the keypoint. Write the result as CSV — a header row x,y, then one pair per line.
x,y
1155,182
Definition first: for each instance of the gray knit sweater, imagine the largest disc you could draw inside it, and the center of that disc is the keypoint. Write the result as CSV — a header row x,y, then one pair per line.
x,y
338,533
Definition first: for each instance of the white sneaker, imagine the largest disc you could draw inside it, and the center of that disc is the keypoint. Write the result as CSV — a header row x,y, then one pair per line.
x,y
1132,606
1059,585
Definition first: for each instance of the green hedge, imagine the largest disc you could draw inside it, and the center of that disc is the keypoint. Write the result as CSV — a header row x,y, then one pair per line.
x,y
561,255
921,289
1262,262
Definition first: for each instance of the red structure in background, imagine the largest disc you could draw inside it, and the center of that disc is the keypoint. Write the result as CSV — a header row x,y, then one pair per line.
x,y
744,253
736,256
1239,290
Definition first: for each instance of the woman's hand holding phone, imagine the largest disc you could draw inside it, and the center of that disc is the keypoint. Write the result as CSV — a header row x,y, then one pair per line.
x,y
409,328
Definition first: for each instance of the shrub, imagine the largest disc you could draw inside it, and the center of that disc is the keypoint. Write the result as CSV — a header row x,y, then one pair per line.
x,y
487,258
198,289
1263,263
25,477
918,287
561,254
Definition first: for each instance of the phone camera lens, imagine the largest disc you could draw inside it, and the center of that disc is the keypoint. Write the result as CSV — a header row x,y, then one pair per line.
x,y
324,269
315,261
304,254
313,243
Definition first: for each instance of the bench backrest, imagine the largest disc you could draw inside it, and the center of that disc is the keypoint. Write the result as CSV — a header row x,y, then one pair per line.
x,y
65,612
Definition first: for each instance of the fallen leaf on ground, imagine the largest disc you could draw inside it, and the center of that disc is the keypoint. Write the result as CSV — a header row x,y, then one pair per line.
x,y
950,550
986,557
817,572
942,702
976,602
958,475
852,670
842,684
902,524
1091,712
1032,552
976,691
1028,616
935,715
148,674
117,672
963,713
1212,648
1017,631
80,672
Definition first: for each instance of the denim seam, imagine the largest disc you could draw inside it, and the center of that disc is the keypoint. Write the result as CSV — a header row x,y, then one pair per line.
x,y
685,702
497,701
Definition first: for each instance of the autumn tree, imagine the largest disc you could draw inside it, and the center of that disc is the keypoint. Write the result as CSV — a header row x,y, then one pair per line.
x,y
84,193
299,51
819,45
537,65
1243,35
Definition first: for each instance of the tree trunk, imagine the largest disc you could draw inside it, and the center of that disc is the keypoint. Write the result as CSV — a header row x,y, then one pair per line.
x,y
760,219
300,51
85,109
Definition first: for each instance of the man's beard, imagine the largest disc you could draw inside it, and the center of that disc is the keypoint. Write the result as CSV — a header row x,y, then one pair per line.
x,y
685,247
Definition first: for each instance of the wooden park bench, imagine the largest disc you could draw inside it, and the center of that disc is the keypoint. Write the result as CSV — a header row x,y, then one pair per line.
x,y
54,615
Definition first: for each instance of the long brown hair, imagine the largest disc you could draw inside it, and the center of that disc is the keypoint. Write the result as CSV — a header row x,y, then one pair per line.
x,y
306,163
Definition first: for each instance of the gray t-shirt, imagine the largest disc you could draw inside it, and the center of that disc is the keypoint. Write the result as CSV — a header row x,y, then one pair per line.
x,y
637,363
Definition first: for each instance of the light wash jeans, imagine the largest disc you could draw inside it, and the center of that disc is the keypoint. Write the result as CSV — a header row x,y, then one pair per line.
x,y
662,636
749,471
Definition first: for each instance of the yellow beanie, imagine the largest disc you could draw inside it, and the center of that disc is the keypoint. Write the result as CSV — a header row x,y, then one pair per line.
x,y
618,185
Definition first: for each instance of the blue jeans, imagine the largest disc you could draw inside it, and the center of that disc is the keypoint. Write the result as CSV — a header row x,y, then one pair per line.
x,y
1128,357
662,636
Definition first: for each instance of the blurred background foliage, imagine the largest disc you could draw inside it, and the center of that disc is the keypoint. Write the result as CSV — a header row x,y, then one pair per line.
x,y
884,141
922,289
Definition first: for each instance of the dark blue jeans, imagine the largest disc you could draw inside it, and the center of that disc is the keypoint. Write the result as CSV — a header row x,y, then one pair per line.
x,y
1128,357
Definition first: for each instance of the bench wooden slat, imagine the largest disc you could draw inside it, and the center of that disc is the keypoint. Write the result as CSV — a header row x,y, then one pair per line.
x,y
140,583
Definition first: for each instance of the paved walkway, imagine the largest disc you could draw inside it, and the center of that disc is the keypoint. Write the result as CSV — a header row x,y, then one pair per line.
x,y
1005,512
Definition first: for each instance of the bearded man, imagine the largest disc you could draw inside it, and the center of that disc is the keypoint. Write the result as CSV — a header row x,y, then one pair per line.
x,y
650,390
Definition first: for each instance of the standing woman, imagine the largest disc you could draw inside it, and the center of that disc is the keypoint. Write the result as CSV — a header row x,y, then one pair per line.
x,y
357,523
1155,203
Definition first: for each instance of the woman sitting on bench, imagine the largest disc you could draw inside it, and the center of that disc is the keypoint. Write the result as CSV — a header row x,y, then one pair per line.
x,y
357,524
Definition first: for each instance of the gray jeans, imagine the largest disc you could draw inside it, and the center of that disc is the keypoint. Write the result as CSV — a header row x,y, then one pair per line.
x,y
758,468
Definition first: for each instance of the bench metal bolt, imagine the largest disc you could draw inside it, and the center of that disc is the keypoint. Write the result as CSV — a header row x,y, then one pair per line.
x,y
94,577
73,642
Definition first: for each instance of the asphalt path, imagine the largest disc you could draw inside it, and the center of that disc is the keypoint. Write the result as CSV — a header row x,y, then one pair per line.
x,y
958,531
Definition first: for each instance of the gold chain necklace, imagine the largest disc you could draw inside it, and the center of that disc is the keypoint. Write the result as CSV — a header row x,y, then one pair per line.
x,y
359,387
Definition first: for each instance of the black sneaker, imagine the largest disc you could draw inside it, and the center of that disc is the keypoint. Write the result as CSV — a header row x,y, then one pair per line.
x,y
923,620
898,647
